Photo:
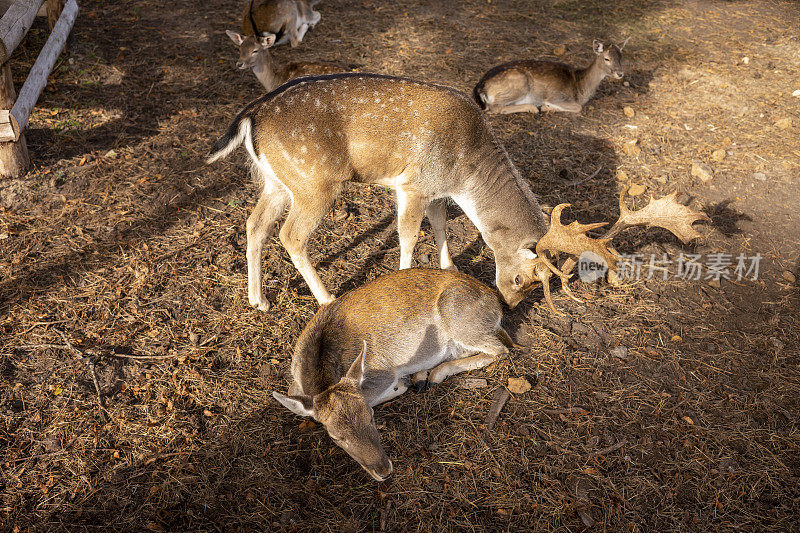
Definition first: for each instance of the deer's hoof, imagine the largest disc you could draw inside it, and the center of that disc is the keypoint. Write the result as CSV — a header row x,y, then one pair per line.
x,y
261,305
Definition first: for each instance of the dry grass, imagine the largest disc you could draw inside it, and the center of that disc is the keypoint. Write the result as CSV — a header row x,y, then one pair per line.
x,y
122,240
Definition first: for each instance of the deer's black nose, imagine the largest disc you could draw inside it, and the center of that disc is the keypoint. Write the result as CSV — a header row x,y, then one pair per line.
x,y
239,64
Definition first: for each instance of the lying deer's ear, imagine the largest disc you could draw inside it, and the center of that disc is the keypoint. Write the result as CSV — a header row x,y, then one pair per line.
x,y
266,40
358,368
299,405
597,46
235,37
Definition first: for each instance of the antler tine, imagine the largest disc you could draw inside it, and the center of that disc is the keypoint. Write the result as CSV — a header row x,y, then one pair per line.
x,y
253,20
621,48
544,277
665,213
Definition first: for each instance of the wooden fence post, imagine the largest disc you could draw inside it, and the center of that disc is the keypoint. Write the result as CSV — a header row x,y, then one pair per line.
x,y
14,158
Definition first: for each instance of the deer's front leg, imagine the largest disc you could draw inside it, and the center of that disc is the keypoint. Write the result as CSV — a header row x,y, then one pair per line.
x,y
410,210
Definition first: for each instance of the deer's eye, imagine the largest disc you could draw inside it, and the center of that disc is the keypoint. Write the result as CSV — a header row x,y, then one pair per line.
x,y
608,59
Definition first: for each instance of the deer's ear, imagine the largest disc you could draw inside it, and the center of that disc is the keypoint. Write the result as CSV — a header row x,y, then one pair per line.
x,y
235,37
597,46
266,40
358,368
299,405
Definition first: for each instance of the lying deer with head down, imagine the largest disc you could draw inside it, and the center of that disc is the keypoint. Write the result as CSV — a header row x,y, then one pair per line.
x,y
289,20
529,85
415,326
427,142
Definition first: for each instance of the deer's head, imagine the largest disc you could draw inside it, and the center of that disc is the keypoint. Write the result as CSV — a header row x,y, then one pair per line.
x,y
610,58
251,48
347,418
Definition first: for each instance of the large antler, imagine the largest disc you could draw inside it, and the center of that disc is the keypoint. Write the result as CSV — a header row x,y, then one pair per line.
x,y
664,213
253,20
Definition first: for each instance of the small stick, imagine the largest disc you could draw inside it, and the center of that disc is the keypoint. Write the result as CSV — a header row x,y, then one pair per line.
x,y
501,396
566,411
611,448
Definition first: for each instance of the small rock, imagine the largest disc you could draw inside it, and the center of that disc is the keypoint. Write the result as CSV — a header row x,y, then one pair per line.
x,y
629,112
622,175
111,154
746,60
777,343
620,352
627,84
760,176
788,276
560,50
714,283
784,123
718,155
288,518
518,385
702,171
796,94
473,383
632,147
636,189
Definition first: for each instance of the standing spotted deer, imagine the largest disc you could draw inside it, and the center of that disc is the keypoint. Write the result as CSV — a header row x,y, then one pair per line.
x,y
427,142
521,86
415,326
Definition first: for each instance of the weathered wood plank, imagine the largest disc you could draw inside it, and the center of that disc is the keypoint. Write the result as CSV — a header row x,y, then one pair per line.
x,y
37,77
15,24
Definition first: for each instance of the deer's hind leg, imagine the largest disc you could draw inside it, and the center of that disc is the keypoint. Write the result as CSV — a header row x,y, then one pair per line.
x,y
260,227
304,216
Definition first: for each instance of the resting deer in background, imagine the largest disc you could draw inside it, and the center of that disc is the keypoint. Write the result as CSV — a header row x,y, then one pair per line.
x,y
529,85
428,142
289,20
254,54
415,326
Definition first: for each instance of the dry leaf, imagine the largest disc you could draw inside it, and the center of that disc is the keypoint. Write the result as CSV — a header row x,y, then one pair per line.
x,y
518,385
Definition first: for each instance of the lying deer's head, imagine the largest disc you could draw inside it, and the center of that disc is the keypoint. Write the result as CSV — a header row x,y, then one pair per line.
x,y
611,64
251,48
347,418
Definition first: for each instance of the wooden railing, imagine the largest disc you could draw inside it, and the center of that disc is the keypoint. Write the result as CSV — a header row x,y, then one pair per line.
x,y
15,111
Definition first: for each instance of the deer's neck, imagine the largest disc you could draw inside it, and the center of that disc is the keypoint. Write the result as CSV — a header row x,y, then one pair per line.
x,y
501,205
588,79
266,72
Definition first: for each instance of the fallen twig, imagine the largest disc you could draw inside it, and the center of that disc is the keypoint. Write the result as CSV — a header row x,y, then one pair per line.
x,y
566,411
501,396
611,448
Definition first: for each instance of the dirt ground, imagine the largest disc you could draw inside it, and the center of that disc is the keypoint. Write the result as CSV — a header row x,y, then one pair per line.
x,y
660,405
